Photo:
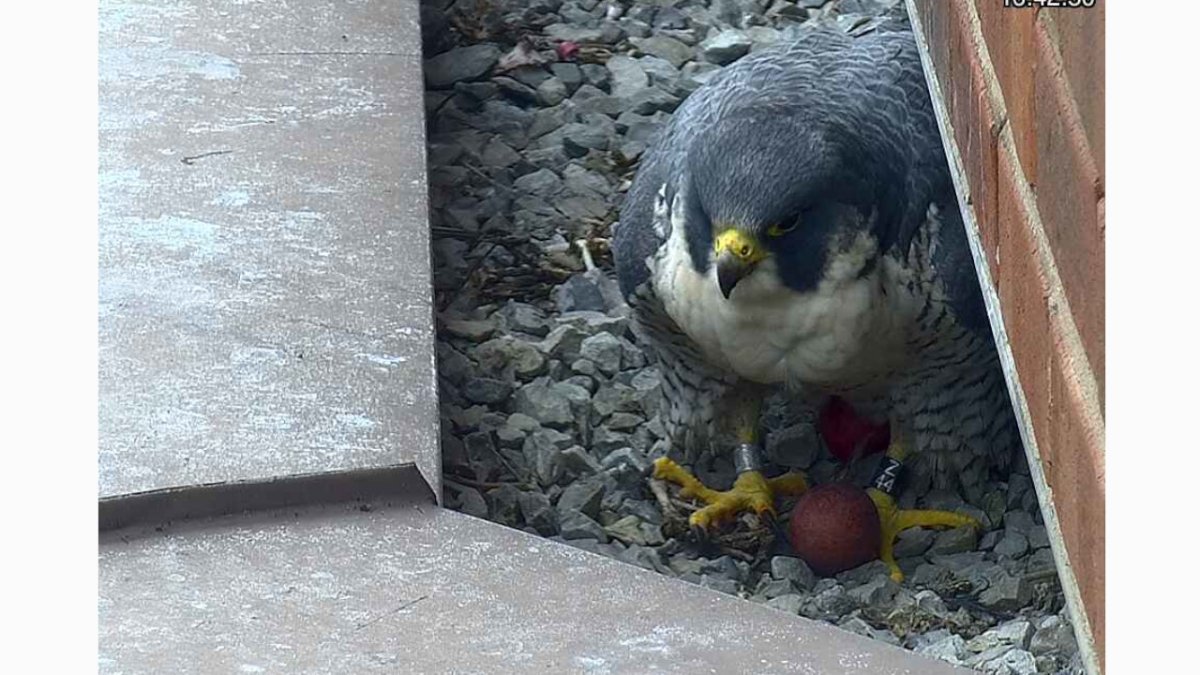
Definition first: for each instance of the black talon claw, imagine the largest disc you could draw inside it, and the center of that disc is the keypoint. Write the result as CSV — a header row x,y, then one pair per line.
x,y
699,534
768,519
772,522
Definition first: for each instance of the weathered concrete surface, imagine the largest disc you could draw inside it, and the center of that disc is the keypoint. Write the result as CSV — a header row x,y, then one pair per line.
x,y
410,588
264,258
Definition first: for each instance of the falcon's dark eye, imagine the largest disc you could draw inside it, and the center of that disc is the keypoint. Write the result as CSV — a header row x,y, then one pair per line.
x,y
780,230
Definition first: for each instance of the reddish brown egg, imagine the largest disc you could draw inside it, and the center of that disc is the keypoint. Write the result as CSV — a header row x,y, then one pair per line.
x,y
835,528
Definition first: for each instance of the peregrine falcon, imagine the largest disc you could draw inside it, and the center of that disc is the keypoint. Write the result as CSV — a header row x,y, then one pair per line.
x,y
795,225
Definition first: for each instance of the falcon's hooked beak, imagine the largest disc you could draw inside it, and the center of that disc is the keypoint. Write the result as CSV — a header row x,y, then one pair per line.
x,y
737,254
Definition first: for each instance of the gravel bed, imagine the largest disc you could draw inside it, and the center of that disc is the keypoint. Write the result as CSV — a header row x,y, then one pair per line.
x,y
538,112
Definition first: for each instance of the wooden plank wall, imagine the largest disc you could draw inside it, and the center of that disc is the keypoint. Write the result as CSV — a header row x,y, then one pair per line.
x,y
1022,98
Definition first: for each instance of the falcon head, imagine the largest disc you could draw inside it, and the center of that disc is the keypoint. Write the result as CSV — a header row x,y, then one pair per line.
x,y
768,193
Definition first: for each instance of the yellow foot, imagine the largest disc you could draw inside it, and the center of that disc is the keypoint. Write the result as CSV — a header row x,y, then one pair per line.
x,y
751,491
893,521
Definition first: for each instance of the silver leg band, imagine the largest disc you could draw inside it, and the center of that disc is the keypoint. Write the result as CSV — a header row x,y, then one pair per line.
x,y
746,457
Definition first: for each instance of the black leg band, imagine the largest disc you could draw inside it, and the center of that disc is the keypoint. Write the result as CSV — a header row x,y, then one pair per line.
x,y
887,476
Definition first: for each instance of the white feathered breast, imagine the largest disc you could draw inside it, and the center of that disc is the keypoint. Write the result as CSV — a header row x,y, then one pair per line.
x,y
846,334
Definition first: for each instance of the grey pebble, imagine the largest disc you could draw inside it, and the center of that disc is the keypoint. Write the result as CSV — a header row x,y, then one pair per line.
x,y
670,49
463,63
472,503
543,401
542,182
486,390
627,77
1053,635
913,542
569,74
1012,545
951,648
725,47
955,540
578,463
538,513
790,603
551,92
584,496
1005,592
604,350
793,570
574,524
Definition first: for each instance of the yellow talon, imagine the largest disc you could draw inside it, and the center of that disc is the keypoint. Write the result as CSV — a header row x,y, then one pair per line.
x,y
791,484
751,491
892,521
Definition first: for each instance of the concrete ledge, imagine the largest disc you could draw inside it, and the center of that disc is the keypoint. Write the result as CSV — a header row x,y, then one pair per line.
x,y
265,287
155,508
395,587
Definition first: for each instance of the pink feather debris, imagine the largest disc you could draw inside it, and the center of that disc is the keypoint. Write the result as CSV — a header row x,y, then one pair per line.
x,y
567,50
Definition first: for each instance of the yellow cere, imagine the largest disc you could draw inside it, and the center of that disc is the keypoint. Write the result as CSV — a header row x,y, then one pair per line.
x,y
743,246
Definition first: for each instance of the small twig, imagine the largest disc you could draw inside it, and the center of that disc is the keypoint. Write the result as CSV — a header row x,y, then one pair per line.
x,y
588,263
462,481
452,232
664,499
736,553
192,160
504,461
1043,575
484,176
682,507
390,613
